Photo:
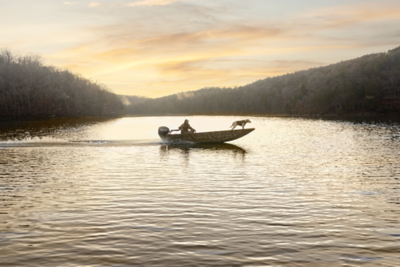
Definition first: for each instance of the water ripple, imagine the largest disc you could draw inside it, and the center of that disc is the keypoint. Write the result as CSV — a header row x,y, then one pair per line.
x,y
296,192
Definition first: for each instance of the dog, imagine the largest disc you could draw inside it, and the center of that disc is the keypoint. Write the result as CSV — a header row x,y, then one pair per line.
x,y
240,123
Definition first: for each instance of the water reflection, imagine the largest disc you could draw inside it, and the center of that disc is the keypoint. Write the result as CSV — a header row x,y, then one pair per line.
x,y
186,149
297,192
55,128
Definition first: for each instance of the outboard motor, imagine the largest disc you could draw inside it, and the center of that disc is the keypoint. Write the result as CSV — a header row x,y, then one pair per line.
x,y
162,132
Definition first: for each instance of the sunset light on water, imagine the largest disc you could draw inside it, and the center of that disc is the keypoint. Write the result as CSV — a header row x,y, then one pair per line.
x,y
296,192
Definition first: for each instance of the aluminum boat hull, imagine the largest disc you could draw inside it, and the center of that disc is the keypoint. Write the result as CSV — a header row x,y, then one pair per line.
x,y
207,137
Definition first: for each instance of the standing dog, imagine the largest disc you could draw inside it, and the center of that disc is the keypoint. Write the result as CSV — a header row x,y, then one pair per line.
x,y
240,123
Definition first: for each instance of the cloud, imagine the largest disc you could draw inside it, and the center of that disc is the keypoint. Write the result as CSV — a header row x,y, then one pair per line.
x,y
343,16
174,54
160,51
156,2
189,61
93,4
153,3
70,3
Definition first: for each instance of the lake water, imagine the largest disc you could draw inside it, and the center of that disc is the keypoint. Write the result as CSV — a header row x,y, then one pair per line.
x,y
295,192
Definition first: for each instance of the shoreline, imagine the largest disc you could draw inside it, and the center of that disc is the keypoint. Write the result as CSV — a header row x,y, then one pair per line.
x,y
56,118
356,115
325,116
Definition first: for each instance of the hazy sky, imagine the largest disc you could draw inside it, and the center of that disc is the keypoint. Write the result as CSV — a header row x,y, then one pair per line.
x,y
160,47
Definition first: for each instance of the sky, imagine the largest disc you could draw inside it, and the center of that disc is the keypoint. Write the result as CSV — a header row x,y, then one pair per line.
x,y
155,48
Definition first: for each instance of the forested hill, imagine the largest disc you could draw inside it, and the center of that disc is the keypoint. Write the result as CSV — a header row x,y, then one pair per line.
x,y
29,89
367,84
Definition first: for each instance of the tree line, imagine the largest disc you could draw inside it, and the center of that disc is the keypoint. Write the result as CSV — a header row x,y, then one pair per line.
x,y
369,84
29,89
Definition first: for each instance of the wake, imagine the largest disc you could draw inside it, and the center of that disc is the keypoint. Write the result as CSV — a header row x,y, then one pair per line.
x,y
52,142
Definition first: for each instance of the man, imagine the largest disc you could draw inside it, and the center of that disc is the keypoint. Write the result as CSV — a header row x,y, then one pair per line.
x,y
186,128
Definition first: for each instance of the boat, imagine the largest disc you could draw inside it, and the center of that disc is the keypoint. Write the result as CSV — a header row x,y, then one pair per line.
x,y
202,137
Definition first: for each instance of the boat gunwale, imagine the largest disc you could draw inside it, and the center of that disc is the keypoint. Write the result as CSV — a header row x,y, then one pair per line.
x,y
209,137
199,133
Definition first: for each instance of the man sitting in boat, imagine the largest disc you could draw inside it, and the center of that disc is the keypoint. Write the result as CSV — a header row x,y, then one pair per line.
x,y
186,128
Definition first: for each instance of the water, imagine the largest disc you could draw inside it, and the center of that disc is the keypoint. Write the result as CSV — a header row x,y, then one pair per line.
x,y
295,192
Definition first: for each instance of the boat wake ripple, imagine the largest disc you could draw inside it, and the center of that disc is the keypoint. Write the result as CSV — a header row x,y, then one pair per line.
x,y
49,142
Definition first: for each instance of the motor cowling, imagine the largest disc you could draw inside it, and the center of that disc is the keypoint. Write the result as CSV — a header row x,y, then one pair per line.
x,y
163,131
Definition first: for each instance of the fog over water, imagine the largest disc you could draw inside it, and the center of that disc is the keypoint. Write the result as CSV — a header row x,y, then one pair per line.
x,y
295,192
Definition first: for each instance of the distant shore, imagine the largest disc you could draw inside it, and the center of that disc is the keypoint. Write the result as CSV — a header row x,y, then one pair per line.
x,y
366,117
54,118
325,116
366,114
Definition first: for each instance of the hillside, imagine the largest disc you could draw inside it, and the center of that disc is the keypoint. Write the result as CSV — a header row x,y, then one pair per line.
x,y
369,84
29,89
